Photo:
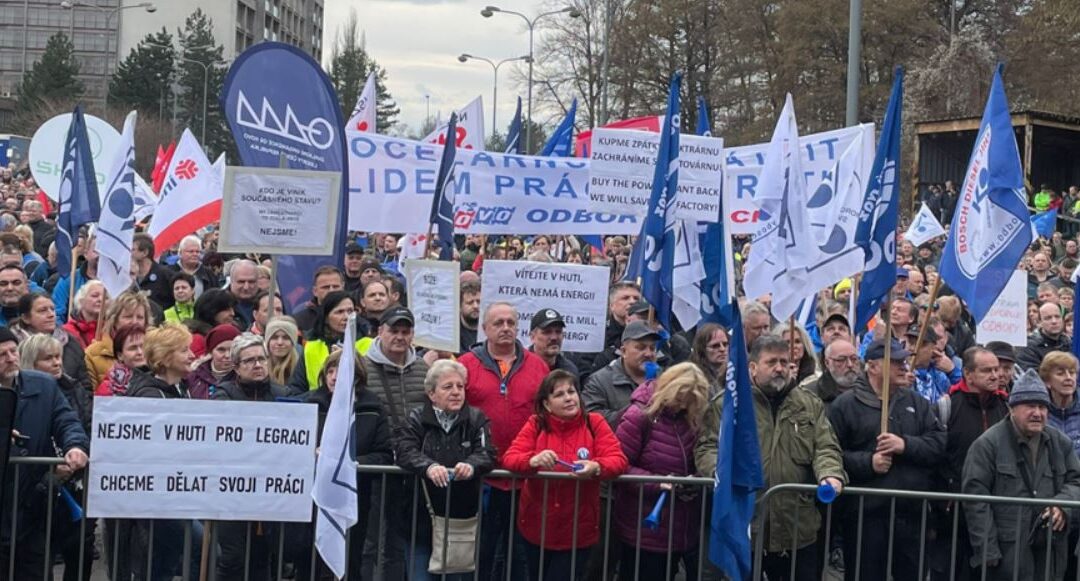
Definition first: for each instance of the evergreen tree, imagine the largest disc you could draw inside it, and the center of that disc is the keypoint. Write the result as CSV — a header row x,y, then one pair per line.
x,y
53,77
350,65
201,62
144,80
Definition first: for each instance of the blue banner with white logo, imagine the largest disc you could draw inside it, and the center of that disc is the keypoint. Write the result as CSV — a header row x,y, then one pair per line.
x,y
715,294
991,227
280,103
738,464
876,232
442,205
78,196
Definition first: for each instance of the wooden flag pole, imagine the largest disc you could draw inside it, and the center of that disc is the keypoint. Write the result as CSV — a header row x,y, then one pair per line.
x,y
886,363
71,284
926,318
791,341
427,241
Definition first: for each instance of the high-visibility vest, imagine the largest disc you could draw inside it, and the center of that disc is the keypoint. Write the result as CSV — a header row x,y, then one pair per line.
x,y
316,353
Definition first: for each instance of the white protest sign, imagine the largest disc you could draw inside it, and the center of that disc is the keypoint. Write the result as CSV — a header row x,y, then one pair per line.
x,y
392,180
742,167
47,158
1007,319
433,297
577,292
200,459
622,163
271,210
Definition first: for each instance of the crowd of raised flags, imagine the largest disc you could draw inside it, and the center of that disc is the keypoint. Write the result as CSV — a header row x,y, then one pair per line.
x,y
681,265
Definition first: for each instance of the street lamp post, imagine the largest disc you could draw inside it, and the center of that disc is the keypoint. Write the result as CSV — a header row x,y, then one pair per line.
x,y
205,84
495,86
109,13
488,11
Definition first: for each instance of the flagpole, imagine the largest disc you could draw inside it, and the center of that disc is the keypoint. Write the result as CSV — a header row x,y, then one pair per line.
x,y
791,342
427,241
926,319
887,364
71,284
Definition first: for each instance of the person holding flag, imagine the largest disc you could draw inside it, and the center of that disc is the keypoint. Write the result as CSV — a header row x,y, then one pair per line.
x,y
799,446
992,228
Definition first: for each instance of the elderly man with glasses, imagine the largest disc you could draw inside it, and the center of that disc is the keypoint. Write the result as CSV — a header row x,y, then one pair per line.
x,y
843,368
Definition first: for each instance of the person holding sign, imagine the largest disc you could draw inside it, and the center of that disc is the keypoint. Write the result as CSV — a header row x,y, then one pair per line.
x,y
327,335
444,440
561,436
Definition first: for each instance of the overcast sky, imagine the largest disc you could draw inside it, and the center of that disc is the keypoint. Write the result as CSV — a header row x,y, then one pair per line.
x,y
418,42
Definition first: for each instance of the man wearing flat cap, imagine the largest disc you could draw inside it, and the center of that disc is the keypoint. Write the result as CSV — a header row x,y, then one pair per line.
x,y
1020,457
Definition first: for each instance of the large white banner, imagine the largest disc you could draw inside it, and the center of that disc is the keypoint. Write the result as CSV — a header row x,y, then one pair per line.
x,y
433,296
392,180
199,459
742,169
1007,318
577,292
622,163
271,210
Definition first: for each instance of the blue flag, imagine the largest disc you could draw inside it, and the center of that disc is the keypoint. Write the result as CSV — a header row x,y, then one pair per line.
x,y
280,103
738,464
561,142
659,229
876,232
715,295
514,142
78,195
442,204
991,227
1045,222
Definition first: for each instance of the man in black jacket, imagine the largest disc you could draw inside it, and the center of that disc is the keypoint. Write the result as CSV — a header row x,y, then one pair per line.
x,y
44,421
907,457
1048,337
842,370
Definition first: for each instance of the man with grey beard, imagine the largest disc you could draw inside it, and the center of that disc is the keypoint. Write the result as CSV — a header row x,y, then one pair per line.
x,y
842,369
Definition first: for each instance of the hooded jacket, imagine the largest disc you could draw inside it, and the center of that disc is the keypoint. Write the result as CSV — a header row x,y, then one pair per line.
x,y
568,439
400,388
1038,346
856,417
659,446
203,383
506,401
970,414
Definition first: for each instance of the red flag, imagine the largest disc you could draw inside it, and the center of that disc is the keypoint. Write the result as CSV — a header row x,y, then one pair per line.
x,y
161,163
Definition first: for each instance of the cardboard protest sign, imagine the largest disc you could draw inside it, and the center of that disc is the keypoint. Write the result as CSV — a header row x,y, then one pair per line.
x,y
577,292
198,459
433,288
1007,319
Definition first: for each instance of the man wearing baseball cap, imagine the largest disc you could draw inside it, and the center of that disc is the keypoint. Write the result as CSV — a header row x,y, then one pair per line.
x,y
1019,457
907,457
546,335
353,266
608,390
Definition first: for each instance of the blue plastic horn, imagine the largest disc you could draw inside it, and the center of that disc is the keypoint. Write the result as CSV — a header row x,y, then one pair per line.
x,y
826,493
73,507
652,522
652,370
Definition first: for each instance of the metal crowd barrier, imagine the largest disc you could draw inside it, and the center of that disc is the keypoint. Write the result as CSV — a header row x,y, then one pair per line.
x,y
928,503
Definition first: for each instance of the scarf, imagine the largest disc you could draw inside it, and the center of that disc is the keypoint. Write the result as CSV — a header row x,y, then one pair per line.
x,y
445,419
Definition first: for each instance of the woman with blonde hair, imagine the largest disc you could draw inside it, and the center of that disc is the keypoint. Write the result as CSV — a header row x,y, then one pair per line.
x,y
281,338
657,433
129,308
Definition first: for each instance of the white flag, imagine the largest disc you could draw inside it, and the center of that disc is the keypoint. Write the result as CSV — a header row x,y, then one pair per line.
x,y
145,198
783,245
190,196
686,277
334,491
470,127
833,205
924,227
410,246
116,227
363,114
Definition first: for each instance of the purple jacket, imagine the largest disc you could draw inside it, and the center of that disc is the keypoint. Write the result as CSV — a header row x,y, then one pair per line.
x,y
664,448
201,382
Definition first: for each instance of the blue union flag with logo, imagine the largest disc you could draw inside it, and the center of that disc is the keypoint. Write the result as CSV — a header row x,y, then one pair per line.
x,y
991,228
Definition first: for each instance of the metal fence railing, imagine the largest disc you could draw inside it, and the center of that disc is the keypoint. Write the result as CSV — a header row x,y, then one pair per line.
x,y
874,528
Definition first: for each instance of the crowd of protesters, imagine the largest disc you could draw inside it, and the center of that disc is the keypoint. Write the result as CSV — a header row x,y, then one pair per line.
x,y
963,417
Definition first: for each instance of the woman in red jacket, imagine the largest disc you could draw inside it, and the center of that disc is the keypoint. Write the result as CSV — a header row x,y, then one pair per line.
x,y
560,434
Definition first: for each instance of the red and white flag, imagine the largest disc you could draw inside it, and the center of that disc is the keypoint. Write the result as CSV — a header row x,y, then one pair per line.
x,y
363,114
190,197
470,127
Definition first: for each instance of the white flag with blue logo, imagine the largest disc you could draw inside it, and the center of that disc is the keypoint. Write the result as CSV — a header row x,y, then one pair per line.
x,y
991,227
924,227
116,226
783,246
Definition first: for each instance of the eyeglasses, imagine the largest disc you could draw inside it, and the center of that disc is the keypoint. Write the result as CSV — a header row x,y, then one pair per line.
x,y
850,360
251,361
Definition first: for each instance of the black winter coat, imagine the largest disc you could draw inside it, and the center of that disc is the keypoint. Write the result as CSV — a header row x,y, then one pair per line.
x,y
1038,346
421,442
970,415
262,391
149,385
80,400
856,418
371,440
